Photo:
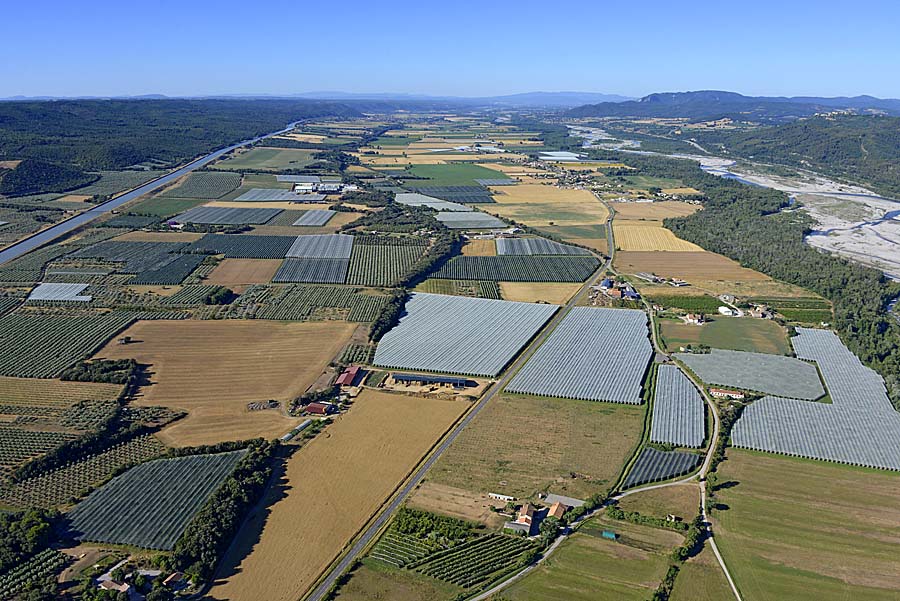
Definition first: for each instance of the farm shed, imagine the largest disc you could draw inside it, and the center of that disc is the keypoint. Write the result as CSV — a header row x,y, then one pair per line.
x,y
429,379
678,412
594,354
320,408
769,374
460,335
350,376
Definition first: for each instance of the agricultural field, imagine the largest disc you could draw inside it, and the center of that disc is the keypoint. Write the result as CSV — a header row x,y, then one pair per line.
x,y
536,246
479,248
243,272
774,549
591,440
163,207
373,447
70,481
590,568
33,345
375,580
554,293
459,335
44,564
151,504
679,412
512,268
768,374
21,392
635,236
113,182
226,216
682,500
314,271
265,158
460,220
172,273
471,288
656,466
302,302
372,265
593,354
247,246
701,579
242,361
652,211
555,210
204,184
731,333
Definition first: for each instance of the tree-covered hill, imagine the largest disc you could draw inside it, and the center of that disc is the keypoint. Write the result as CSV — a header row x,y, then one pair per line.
x,y
858,148
61,140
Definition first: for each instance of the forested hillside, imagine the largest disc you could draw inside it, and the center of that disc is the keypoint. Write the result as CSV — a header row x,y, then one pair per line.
x,y
859,148
66,139
743,222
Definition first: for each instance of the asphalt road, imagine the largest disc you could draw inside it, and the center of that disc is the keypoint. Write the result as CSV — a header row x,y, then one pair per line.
x,y
344,564
62,228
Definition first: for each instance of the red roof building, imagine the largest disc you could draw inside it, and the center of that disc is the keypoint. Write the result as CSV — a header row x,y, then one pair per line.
x,y
320,408
349,376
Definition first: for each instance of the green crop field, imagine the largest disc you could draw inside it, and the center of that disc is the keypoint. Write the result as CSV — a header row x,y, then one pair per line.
x,y
701,579
512,268
472,288
113,182
696,304
461,174
29,574
299,302
270,159
381,265
808,530
42,346
164,207
590,568
70,481
205,184
731,333
150,505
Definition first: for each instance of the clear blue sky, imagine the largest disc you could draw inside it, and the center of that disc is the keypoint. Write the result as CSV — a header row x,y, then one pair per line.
x,y
66,48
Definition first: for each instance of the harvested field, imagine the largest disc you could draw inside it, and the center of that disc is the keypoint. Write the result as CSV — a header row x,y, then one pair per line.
x,y
538,292
159,237
636,236
653,211
701,579
592,440
807,530
23,392
351,470
375,580
212,369
691,266
480,248
456,502
241,272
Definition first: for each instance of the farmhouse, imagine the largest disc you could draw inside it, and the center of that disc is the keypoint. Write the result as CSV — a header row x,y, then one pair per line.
x,y
694,318
722,393
351,376
557,510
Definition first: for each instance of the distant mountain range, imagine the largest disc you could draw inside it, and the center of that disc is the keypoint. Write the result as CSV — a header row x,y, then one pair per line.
x,y
549,100
713,104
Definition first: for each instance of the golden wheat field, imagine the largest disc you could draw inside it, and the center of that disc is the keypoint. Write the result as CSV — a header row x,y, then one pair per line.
x,y
638,236
652,211
212,369
333,487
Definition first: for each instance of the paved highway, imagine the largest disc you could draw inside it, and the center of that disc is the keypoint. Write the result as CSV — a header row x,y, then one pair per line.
x,y
50,234
344,564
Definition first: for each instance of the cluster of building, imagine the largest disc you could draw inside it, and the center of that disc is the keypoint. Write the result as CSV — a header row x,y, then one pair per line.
x,y
724,393
128,582
313,184
616,290
655,279
348,382
529,516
